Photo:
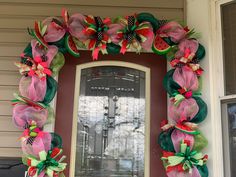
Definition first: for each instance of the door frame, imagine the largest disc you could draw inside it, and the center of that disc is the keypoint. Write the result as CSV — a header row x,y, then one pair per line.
x,y
158,99
147,72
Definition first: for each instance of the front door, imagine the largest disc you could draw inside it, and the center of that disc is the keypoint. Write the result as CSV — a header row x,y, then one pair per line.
x,y
109,112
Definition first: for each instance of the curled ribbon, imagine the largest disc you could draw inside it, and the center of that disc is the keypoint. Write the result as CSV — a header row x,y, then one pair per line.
x,y
46,164
96,32
184,160
173,30
40,62
189,61
36,66
41,69
182,94
135,34
31,132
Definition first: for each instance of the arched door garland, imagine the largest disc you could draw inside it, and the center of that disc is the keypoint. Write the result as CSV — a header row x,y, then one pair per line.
x,y
181,141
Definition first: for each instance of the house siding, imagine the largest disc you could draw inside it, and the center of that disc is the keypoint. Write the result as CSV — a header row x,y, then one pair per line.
x,y
17,15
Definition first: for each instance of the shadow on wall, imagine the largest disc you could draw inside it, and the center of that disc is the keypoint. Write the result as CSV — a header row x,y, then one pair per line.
x,y
12,167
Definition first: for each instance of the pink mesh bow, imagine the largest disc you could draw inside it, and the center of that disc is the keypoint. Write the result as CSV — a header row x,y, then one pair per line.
x,y
185,56
186,78
42,60
56,28
173,30
43,55
176,173
191,45
23,114
39,64
33,88
112,32
177,136
34,140
184,111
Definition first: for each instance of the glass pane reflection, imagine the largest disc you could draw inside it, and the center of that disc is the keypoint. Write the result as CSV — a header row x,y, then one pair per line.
x,y
229,45
232,135
111,123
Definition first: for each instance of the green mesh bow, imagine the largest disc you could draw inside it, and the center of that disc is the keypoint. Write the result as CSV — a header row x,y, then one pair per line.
x,y
186,159
47,162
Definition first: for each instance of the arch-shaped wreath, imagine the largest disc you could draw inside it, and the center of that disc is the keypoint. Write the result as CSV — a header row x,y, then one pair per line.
x,y
42,59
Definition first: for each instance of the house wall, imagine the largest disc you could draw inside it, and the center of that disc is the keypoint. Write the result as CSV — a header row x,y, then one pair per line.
x,y
17,15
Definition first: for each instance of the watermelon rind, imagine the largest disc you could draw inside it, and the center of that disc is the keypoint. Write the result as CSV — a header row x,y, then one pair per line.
x,y
68,47
160,51
191,132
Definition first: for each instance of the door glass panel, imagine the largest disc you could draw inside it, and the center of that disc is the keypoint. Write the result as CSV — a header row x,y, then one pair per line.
x,y
111,123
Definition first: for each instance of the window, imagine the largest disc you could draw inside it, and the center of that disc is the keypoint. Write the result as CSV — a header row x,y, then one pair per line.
x,y
228,101
229,46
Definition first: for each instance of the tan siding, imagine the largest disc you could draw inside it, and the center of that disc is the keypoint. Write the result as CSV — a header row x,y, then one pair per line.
x,y
7,92
11,50
10,152
14,36
17,15
5,108
12,140
122,3
55,10
6,124
7,63
9,78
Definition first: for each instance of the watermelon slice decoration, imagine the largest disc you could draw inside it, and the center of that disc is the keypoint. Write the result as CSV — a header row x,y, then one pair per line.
x,y
160,46
186,129
37,35
71,46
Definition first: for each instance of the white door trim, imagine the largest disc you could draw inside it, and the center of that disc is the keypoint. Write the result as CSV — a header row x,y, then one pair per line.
x,y
147,108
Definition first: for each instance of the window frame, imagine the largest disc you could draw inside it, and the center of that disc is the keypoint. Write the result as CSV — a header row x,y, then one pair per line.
x,y
225,134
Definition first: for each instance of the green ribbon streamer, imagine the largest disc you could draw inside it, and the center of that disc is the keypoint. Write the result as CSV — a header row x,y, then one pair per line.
x,y
186,157
44,164
98,29
21,99
179,97
32,133
47,163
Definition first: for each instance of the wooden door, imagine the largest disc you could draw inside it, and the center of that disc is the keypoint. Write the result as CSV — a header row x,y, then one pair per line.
x,y
158,101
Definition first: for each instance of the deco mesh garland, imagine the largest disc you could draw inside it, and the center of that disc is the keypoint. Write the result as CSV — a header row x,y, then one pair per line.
x,y
181,141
